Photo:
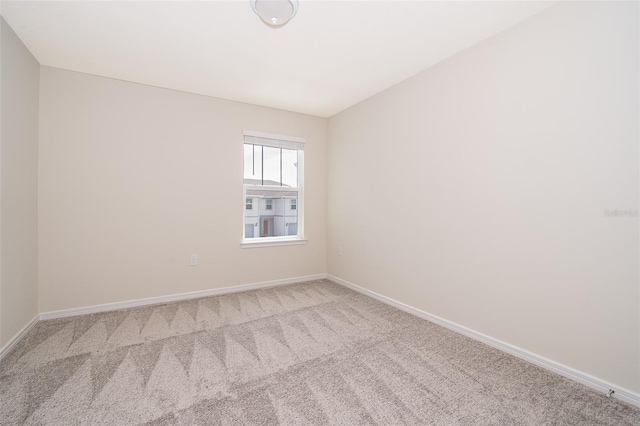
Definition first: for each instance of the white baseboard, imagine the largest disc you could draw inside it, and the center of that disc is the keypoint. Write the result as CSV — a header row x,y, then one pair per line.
x,y
19,335
563,370
174,297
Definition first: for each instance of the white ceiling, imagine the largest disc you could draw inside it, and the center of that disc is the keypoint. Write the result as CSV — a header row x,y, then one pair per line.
x,y
331,55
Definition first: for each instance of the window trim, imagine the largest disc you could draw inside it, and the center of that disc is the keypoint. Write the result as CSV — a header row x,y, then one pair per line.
x,y
275,140
272,242
279,141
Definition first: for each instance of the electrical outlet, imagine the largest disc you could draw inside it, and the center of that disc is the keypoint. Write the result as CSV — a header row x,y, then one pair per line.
x,y
193,260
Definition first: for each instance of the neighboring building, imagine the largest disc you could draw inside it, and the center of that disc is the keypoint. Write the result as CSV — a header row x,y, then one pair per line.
x,y
270,215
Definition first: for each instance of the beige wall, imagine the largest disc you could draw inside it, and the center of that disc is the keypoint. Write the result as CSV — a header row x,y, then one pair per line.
x,y
18,185
476,190
134,179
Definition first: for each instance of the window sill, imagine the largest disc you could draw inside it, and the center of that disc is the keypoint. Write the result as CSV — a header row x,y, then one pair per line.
x,y
272,242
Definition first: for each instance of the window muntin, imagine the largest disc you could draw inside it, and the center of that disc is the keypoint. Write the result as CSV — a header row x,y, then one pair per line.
x,y
273,176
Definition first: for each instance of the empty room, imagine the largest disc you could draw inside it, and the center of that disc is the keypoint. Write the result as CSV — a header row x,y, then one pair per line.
x,y
299,212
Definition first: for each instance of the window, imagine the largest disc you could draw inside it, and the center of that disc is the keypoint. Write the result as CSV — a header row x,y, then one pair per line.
x,y
248,204
274,174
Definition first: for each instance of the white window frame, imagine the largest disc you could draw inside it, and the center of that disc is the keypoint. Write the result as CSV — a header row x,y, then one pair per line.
x,y
248,203
294,204
268,204
277,141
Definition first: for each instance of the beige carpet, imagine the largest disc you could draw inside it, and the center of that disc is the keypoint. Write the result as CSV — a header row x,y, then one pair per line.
x,y
309,353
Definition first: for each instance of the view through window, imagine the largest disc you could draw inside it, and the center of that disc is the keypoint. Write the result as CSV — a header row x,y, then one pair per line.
x,y
273,174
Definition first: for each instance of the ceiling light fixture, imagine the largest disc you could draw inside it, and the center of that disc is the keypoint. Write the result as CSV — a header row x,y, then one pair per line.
x,y
275,13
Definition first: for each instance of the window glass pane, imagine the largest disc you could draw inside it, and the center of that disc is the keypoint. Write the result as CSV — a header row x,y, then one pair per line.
x,y
291,216
253,164
251,218
271,165
278,221
289,167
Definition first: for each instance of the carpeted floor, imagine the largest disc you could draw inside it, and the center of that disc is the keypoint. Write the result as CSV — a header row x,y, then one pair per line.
x,y
309,353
